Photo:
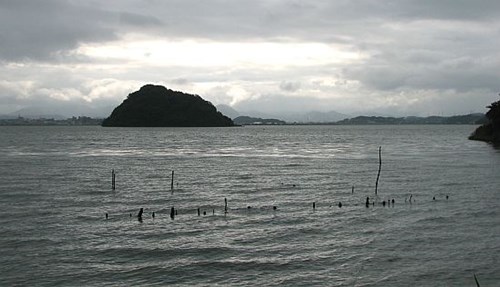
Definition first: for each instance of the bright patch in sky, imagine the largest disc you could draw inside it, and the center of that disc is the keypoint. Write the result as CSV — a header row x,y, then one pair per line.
x,y
207,54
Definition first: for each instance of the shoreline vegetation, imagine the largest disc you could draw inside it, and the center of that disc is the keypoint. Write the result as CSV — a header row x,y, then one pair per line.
x,y
490,130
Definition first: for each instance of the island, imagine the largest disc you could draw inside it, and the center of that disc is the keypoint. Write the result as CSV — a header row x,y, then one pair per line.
x,y
489,131
157,106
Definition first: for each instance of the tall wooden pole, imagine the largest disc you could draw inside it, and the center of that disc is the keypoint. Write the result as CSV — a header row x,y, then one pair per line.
x,y
379,168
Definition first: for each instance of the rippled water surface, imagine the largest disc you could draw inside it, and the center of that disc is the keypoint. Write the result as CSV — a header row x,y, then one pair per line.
x,y
55,185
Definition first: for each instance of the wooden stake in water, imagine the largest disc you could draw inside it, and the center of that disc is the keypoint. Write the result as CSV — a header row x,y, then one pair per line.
x,y
172,213
477,281
379,168
172,182
113,176
225,205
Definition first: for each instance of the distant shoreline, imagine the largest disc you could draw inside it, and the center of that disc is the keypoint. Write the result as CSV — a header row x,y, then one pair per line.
x,y
73,121
471,119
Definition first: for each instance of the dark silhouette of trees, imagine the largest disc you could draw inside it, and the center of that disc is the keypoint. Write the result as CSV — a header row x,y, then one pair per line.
x,y
157,106
494,113
489,131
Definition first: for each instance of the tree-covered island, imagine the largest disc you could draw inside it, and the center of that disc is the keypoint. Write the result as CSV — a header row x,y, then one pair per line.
x,y
157,106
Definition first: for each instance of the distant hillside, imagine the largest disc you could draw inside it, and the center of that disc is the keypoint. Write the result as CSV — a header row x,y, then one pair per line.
x,y
291,117
61,111
316,117
157,106
472,119
244,120
228,111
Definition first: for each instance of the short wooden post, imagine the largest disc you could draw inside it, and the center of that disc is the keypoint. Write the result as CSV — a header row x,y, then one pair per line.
x,y
172,182
172,213
314,205
225,205
198,211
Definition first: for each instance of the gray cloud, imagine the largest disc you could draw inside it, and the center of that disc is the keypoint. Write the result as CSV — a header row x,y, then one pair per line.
x,y
43,30
289,86
132,19
36,30
417,54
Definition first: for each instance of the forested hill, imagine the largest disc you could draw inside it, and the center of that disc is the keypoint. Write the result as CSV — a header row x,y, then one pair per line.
x,y
157,106
432,120
490,130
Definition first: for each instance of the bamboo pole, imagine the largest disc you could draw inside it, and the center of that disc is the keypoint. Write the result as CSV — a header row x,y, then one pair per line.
x,y
477,281
172,182
379,168
113,179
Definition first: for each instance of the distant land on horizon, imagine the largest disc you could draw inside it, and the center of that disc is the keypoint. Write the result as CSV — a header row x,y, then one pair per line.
x,y
289,117
306,117
244,120
470,119
154,105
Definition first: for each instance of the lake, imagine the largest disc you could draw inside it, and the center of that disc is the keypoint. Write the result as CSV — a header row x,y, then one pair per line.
x,y
55,185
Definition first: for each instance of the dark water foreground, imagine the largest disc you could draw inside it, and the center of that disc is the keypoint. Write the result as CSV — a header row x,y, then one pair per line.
x,y
55,185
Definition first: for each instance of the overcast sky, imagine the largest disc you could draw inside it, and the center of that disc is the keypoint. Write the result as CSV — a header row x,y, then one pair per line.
x,y
400,57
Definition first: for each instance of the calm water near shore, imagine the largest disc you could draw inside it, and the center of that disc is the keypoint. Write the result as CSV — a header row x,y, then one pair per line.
x,y
55,189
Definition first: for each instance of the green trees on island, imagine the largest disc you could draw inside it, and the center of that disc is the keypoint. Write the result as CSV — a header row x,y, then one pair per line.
x,y
157,106
494,113
489,131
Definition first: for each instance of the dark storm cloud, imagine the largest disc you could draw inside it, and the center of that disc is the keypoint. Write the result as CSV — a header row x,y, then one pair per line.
x,y
37,30
46,30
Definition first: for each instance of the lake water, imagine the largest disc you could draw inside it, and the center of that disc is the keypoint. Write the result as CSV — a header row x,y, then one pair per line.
x,y
55,185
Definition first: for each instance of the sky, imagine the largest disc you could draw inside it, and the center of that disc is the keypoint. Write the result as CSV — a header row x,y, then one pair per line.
x,y
401,57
